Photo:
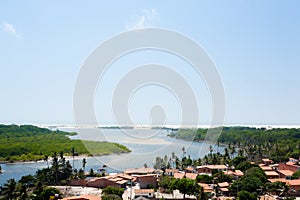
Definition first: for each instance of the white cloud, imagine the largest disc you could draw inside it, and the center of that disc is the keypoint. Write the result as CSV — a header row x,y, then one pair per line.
x,y
10,28
146,19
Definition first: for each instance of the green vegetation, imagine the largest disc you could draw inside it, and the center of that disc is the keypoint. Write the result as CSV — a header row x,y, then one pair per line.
x,y
37,187
112,193
185,186
245,195
277,144
30,143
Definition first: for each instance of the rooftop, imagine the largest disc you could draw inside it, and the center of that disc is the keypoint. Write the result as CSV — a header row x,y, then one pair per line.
x,y
271,173
289,182
286,172
224,184
212,166
187,175
82,197
141,170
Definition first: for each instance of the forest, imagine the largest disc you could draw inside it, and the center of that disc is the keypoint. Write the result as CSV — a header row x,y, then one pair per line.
x,y
275,143
31,143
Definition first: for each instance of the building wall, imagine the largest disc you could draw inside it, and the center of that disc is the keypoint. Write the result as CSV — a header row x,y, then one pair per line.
x,y
78,182
146,181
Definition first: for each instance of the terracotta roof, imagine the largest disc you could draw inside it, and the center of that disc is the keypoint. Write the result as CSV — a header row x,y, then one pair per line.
x,y
142,170
206,187
224,184
189,168
290,163
266,168
238,173
118,178
187,175
295,182
125,176
286,172
213,166
172,170
271,173
82,197
224,189
145,175
229,172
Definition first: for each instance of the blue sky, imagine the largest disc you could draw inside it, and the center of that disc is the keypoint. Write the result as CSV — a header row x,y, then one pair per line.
x,y
255,46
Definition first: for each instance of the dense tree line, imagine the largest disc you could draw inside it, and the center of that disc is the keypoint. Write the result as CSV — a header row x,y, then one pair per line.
x,y
37,187
26,142
277,144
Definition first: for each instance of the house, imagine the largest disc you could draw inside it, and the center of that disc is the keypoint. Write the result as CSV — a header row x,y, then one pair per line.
x,y
223,184
235,174
272,174
206,188
223,187
289,166
118,180
146,181
78,182
82,197
208,169
287,174
294,184
180,175
265,167
141,171
171,172
189,169
266,161
145,193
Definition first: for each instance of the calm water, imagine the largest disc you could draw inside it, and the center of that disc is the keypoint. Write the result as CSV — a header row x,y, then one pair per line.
x,y
145,144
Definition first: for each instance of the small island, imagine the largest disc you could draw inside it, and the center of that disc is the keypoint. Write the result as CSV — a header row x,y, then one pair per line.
x,y
31,143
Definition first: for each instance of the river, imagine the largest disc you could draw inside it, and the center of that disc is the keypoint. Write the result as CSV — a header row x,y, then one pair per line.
x,y
145,146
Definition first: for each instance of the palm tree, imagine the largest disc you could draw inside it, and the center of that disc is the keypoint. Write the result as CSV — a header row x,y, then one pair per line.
x,y
9,189
83,163
46,159
218,145
183,151
210,151
73,154
55,166
233,151
22,191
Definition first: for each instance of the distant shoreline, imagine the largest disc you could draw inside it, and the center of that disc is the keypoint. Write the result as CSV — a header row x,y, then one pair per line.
x,y
69,158
74,126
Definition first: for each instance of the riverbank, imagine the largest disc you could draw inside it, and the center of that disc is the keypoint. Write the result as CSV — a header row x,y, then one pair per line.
x,y
30,143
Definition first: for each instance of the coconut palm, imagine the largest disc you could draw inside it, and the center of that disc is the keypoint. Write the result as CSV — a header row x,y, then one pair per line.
x,y
9,189
55,166
83,163
73,154
46,157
